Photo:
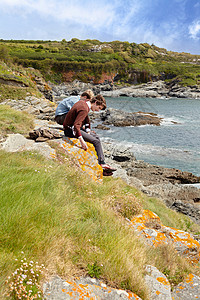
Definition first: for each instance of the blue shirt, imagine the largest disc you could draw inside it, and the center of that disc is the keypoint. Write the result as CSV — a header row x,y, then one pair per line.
x,y
66,104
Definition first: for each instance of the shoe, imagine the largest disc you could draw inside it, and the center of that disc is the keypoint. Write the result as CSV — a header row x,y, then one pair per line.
x,y
105,173
107,168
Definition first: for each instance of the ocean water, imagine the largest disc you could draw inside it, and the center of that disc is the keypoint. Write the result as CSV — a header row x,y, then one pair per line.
x,y
174,144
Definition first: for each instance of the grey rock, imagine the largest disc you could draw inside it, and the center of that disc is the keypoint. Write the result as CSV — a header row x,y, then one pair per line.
x,y
121,118
84,288
108,89
17,142
158,284
188,290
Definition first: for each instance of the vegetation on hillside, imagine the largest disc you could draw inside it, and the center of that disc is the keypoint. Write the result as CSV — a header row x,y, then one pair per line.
x,y
58,217
88,60
17,82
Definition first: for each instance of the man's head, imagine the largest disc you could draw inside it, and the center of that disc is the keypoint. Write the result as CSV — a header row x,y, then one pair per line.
x,y
90,93
85,96
98,103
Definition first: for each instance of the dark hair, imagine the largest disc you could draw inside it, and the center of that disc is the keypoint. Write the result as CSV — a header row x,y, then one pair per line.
x,y
99,101
85,94
100,97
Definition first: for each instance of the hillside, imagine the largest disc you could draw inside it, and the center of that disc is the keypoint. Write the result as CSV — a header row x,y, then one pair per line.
x,y
92,60
70,225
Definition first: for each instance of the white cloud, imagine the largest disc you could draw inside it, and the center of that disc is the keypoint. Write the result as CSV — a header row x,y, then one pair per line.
x,y
91,13
194,30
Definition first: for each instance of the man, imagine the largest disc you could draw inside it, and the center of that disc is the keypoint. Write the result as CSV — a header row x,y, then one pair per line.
x,y
77,118
66,104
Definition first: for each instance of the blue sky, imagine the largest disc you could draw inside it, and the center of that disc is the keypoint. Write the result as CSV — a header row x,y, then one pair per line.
x,y
170,24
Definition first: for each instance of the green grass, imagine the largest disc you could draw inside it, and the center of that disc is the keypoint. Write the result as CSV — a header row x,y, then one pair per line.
x,y
12,121
17,93
55,216
58,217
61,219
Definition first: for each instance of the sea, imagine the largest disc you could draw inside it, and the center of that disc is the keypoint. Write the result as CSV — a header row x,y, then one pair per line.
x,y
173,144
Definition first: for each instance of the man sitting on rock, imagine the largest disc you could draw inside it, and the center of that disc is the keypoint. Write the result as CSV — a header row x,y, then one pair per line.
x,y
66,104
77,119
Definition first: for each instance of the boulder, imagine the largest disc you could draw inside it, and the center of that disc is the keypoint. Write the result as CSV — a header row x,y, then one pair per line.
x,y
158,284
189,289
148,225
83,288
120,118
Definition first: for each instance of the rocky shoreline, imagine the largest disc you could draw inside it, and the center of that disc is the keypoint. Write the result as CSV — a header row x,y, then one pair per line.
x,y
154,89
174,187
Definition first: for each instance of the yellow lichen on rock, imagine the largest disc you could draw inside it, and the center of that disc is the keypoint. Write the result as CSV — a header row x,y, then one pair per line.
x,y
150,227
87,160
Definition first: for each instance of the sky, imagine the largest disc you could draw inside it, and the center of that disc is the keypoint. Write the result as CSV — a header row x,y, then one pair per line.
x,y
170,24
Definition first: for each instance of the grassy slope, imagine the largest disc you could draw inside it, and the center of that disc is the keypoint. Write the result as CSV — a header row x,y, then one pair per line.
x,y
60,218
17,82
54,58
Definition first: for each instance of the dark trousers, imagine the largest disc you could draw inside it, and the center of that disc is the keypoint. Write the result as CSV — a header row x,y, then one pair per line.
x,y
91,138
60,119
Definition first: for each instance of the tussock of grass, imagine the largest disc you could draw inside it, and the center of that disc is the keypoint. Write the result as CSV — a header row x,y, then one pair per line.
x,y
12,121
173,266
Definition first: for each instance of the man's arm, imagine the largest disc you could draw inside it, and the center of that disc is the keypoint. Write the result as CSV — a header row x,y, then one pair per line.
x,y
83,143
80,119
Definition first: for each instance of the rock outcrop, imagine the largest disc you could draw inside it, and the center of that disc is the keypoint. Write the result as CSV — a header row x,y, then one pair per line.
x,y
148,225
41,108
189,289
86,161
120,118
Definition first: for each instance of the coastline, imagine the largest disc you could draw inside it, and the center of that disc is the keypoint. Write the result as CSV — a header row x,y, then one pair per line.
x,y
167,184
